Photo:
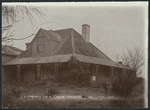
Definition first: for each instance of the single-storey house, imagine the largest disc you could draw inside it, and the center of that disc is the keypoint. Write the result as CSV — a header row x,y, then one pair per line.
x,y
66,56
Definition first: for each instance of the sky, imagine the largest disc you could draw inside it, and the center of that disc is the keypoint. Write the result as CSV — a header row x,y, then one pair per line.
x,y
114,26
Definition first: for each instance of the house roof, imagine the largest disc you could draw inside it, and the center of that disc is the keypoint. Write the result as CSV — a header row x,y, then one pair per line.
x,y
65,58
40,60
52,35
70,44
73,41
9,50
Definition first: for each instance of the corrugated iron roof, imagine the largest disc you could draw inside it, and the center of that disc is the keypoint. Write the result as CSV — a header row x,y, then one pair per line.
x,y
40,60
65,58
94,60
80,45
87,49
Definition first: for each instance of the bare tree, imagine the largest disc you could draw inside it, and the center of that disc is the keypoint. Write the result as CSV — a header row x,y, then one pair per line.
x,y
12,14
134,58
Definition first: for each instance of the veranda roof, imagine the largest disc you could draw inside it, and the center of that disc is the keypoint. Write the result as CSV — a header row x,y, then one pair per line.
x,y
65,58
39,60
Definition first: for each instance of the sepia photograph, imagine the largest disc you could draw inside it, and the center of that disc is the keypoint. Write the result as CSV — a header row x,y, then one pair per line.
x,y
74,54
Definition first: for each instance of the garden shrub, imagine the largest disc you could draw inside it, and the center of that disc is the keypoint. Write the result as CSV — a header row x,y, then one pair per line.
x,y
16,92
126,87
51,92
122,87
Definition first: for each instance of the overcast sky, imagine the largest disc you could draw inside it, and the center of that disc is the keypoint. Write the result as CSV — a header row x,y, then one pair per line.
x,y
114,26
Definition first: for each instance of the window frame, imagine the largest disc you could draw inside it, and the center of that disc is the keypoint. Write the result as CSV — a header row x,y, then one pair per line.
x,y
40,50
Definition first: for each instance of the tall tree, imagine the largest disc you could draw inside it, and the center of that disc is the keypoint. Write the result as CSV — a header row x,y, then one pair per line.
x,y
133,58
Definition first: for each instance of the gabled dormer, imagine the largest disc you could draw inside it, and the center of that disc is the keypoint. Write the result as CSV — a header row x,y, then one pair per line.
x,y
44,42
39,44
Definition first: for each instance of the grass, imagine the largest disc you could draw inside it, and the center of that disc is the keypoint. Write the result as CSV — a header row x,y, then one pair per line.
x,y
55,89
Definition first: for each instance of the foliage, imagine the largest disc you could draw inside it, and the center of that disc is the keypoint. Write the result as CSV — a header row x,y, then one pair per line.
x,y
11,95
122,87
16,92
133,58
126,87
51,92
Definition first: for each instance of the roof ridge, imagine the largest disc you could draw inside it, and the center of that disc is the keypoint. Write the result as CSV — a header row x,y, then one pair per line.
x,y
72,42
57,29
63,29
45,33
77,32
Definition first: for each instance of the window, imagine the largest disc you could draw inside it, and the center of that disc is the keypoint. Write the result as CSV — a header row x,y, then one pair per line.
x,y
40,48
40,45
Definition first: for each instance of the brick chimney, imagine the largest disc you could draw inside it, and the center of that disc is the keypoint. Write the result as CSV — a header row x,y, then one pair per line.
x,y
86,32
